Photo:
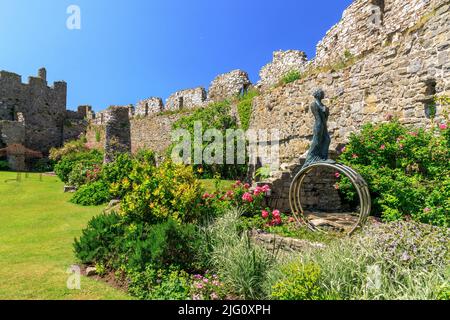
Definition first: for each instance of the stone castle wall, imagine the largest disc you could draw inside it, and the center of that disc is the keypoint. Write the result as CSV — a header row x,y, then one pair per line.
x,y
229,84
43,108
186,99
368,24
399,79
283,62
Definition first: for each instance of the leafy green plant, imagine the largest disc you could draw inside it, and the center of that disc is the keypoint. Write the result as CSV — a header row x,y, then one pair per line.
x,y
407,171
291,76
65,166
299,282
96,244
264,173
244,108
215,116
4,165
154,284
155,194
92,194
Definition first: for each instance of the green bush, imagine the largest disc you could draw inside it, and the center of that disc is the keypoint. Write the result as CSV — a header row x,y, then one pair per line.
x,y
162,245
215,116
92,194
69,148
244,108
407,171
97,242
65,166
154,284
300,282
108,240
4,165
155,194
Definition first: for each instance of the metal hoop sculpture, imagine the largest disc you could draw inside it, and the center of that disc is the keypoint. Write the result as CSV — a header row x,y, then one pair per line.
x,y
358,182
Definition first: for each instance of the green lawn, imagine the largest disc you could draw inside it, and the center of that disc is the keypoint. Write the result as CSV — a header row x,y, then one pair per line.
x,y
37,228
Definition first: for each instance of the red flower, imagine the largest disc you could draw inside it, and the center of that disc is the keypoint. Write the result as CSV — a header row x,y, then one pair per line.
x,y
276,214
246,186
247,197
265,214
443,126
266,188
383,147
337,175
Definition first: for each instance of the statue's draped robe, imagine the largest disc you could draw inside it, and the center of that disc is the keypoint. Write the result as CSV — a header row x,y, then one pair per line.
x,y
321,138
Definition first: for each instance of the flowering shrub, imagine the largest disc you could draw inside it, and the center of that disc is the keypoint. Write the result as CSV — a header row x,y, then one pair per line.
x,y
207,287
68,162
154,194
84,173
408,171
241,196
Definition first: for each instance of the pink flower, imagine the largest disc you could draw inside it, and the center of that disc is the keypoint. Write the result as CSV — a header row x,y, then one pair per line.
x,y
247,197
343,149
205,280
291,220
336,186
383,147
206,196
258,191
401,146
265,214
197,297
426,210
355,156
443,126
246,186
276,221
276,213
266,188
389,117
199,286
214,296
337,175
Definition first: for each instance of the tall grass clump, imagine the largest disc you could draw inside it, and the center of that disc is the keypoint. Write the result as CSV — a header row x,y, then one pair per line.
x,y
243,266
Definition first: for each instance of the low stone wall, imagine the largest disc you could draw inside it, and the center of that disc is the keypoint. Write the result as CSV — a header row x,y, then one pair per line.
x,y
275,243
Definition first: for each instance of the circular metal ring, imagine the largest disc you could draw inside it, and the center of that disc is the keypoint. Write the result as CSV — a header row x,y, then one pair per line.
x,y
356,179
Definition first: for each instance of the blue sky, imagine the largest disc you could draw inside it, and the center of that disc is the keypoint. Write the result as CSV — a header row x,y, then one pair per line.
x,y
134,49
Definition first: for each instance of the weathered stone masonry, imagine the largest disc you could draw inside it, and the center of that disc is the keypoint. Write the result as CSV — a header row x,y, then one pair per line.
x,y
398,77
37,109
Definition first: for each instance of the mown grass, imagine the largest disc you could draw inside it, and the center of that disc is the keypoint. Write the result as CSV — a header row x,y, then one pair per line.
x,y
37,228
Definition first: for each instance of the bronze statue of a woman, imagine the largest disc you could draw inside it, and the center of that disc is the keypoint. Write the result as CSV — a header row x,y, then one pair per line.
x,y
321,138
